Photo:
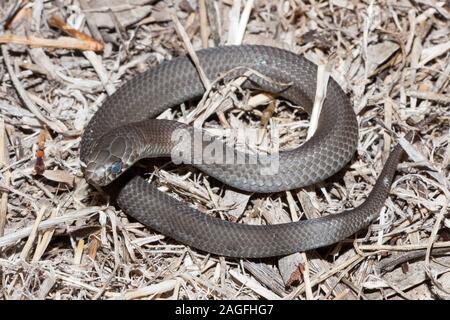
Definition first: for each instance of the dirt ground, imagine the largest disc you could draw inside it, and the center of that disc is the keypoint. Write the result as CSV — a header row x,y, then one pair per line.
x,y
60,238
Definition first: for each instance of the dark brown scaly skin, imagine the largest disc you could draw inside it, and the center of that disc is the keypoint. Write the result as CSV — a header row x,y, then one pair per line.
x,y
121,132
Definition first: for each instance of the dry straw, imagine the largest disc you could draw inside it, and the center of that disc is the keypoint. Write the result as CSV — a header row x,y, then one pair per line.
x,y
60,239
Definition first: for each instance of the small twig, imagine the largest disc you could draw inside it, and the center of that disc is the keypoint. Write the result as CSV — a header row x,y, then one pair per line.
x,y
390,263
203,23
432,96
243,21
4,162
56,22
405,247
96,61
26,249
59,43
306,278
151,290
113,219
12,237
190,49
432,239
323,74
45,240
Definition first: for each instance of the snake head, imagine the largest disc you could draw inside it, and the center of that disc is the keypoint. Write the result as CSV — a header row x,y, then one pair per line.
x,y
106,161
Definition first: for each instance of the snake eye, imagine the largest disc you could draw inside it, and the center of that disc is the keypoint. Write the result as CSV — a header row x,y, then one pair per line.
x,y
116,167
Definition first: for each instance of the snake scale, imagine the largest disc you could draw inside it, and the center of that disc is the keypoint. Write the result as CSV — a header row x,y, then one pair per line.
x,y
124,131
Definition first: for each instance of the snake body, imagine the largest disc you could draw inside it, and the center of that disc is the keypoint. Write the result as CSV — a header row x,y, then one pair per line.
x,y
124,130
